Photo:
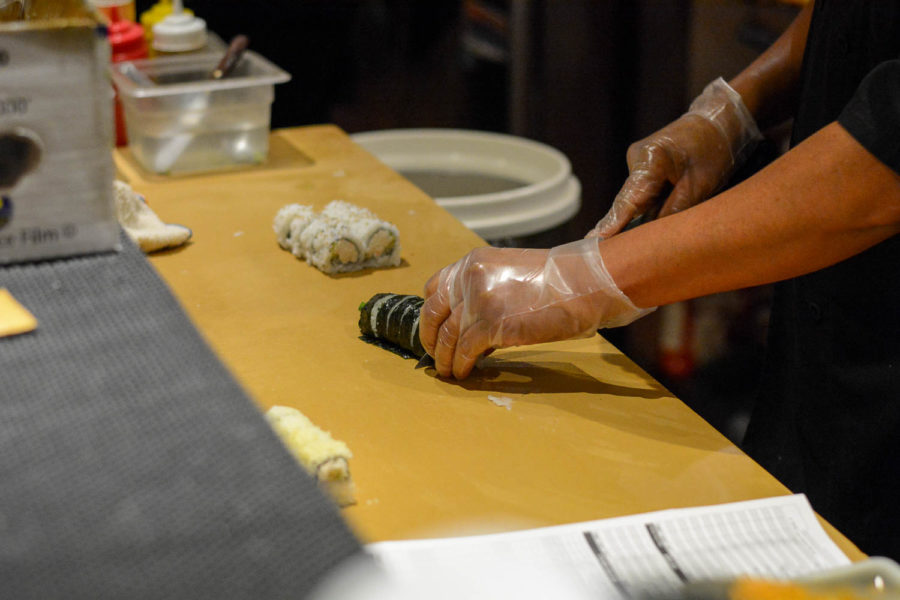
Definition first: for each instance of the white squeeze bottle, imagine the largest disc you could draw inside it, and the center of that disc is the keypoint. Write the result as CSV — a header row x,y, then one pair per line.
x,y
179,32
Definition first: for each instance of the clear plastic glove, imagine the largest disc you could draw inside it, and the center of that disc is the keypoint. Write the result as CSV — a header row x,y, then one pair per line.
x,y
687,161
501,297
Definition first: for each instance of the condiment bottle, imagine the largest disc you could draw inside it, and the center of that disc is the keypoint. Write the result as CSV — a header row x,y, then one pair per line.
x,y
179,32
126,40
154,15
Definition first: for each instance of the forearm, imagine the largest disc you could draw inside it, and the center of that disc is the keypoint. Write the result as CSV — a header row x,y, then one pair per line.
x,y
768,85
822,202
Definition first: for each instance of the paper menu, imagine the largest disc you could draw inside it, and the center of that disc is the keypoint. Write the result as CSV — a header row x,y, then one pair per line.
x,y
631,556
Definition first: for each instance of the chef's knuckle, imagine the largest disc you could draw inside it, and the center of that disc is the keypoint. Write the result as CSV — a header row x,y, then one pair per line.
x,y
446,337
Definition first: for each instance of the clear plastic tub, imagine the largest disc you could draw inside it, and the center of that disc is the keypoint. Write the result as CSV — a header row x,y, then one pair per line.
x,y
181,120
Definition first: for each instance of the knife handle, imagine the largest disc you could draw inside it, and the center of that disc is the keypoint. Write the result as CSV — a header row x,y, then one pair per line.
x,y
235,50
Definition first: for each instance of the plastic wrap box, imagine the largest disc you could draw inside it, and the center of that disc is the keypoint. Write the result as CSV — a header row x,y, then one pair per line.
x,y
56,168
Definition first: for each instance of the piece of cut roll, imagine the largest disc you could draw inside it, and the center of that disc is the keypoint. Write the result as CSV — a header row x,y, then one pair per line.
x,y
298,226
329,246
341,209
380,240
290,219
323,457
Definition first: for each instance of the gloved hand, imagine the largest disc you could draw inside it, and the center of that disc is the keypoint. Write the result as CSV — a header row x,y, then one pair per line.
x,y
501,297
695,155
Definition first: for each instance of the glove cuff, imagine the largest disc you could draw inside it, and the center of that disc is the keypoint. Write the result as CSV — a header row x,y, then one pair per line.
x,y
616,308
725,109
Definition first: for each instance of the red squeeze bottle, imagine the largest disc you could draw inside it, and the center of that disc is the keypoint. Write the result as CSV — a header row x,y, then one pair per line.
x,y
127,42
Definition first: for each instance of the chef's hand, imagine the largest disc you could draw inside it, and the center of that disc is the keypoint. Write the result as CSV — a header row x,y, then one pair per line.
x,y
685,162
501,297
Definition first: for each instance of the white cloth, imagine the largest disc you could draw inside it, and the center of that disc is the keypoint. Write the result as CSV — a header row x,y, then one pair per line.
x,y
141,223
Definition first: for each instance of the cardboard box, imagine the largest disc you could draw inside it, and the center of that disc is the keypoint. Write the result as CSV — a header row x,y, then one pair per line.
x,y
56,168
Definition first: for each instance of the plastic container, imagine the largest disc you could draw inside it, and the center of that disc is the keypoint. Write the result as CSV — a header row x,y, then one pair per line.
x,y
179,120
500,186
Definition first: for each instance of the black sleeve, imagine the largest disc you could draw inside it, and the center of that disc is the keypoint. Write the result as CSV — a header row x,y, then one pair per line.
x,y
872,116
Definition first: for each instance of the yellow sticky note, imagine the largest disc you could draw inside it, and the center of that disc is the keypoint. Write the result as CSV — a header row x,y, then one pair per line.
x,y
14,318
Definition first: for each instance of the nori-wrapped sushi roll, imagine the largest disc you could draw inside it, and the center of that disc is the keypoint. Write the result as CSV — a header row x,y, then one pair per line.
x,y
392,321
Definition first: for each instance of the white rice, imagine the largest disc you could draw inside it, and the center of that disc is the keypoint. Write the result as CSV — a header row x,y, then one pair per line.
x,y
284,220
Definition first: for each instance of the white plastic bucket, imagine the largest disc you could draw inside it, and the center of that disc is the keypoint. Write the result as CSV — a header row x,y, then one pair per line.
x,y
499,186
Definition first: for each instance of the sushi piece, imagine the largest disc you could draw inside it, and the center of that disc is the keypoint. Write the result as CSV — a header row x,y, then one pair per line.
x,y
327,245
323,457
289,221
298,226
341,209
392,321
379,240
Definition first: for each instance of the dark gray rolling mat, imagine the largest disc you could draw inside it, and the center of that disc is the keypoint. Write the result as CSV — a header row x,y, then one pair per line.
x,y
132,465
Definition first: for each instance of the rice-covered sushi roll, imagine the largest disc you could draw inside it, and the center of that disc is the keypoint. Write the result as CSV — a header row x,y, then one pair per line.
x,y
329,247
395,319
324,457
290,219
342,238
379,239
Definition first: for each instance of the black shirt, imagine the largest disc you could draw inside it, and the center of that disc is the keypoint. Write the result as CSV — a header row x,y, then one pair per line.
x,y
827,419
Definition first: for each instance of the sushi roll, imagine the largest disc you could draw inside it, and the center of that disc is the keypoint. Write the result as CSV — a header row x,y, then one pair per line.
x,y
322,456
291,218
393,318
342,238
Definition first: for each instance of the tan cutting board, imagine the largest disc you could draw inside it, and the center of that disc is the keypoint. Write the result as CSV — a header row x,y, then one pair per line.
x,y
587,435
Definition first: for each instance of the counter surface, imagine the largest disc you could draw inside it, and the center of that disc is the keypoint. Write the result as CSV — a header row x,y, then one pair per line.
x,y
587,434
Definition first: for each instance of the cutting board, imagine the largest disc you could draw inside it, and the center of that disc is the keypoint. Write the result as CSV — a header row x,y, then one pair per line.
x,y
540,435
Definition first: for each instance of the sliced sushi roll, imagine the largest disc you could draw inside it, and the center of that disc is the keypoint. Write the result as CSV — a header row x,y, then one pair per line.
x,y
393,318
329,246
285,219
342,238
